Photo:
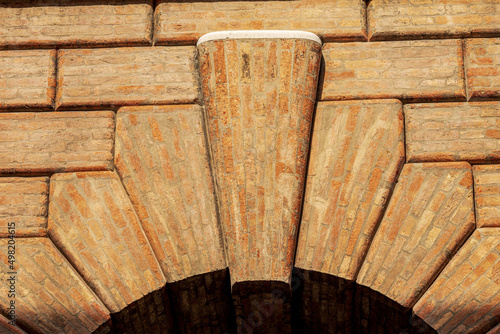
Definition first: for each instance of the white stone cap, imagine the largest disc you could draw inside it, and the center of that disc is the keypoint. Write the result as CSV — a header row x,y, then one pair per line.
x,y
260,34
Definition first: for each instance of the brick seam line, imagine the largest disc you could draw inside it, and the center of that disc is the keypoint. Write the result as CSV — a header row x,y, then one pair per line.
x,y
56,77
204,116
466,68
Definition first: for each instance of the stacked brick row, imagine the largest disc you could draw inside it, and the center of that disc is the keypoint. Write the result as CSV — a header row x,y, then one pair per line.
x,y
141,196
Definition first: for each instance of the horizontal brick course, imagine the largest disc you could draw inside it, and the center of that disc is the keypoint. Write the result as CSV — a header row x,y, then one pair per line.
x,y
407,70
50,295
487,195
27,78
126,76
453,131
357,150
24,201
403,19
162,157
94,224
39,23
333,20
430,215
56,141
465,297
482,66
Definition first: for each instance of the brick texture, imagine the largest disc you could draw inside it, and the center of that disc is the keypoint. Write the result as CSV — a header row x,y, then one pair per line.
x,y
429,216
407,70
259,97
50,296
6,328
27,78
163,160
495,330
403,19
357,150
94,224
56,141
333,20
465,297
42,23
126,76
24,201
487,195
482,65
453,132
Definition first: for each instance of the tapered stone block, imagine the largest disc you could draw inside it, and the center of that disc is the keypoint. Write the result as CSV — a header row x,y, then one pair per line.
x,y
259,90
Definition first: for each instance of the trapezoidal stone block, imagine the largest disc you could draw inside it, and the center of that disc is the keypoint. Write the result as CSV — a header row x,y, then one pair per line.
x,y
453,132
465,297
428,70
487,195
23,206
429,216
357,151
162,157
47,142
28,78
482,65
41,23
50,296
93,222
259,89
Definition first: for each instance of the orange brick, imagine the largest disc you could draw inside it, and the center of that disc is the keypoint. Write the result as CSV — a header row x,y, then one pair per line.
x,y
427,141
417,245
487,195
347,142
482,61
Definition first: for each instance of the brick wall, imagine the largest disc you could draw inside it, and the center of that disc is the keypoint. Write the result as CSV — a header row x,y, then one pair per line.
x,y
132,226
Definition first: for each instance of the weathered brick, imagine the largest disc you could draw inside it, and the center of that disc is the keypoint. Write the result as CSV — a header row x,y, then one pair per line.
x,y
44,281
403,19
453,131
92,221
430,214
126,76
482,66
357,150
259,140
27,78
407,70
333,20
465,297
56,141
66,23
495,330
163,160
23,206
487,195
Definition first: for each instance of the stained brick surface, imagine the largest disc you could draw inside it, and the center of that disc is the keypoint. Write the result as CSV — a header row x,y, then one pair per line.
x,y
6,328
42,23
495,330
453,131
357,150
163,160
430,214
487,195
24,201
259,99
403,19
56,141
27,78
126,76
408,70
50,296
184,22
93,222
465,297
482,64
